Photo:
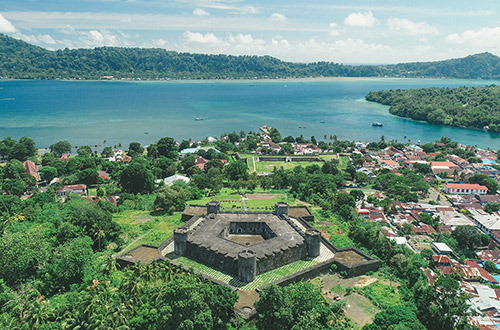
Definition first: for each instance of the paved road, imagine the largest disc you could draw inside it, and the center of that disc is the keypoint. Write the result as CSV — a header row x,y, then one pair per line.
x,y
442,201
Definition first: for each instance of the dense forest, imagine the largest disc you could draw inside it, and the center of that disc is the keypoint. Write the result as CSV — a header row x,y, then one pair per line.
x,y
20,60
463,106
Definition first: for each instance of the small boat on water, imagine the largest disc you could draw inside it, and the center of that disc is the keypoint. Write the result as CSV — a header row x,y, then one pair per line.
x,y
377,124
198,119
302,127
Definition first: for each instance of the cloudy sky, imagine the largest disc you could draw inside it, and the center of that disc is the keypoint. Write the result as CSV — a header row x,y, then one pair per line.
x,y
382,31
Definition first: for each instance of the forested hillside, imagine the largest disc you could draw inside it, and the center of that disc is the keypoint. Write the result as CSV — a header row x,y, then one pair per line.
x,y
462,106
20,60
479,66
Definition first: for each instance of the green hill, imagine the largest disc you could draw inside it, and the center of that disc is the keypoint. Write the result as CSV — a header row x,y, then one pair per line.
x,y
20,60
479,66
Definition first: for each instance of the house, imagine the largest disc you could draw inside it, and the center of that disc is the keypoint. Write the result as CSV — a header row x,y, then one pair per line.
x,y
465,188
441,260
72,189
171,179
489,255
488,223
104,175
441,248
483,199
448,167
453,218
30,168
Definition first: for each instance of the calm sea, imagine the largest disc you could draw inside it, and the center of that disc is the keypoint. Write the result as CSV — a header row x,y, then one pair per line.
x,y
91,112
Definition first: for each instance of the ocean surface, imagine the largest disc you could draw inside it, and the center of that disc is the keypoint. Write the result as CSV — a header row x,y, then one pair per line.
x,y
113,112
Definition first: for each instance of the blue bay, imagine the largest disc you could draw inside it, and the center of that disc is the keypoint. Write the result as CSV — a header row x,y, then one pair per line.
x,y
89,112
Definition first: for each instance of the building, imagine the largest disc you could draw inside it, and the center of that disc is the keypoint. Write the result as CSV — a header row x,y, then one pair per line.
x,y
171,179
465,188
30,168
72,189
488,223
441,249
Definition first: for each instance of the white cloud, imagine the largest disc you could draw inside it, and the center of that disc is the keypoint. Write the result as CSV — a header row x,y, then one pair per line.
x,y
6,26
201,38
160,42
365,19
483,38
333,29
200,12
248,10
278,17
47,39
412,28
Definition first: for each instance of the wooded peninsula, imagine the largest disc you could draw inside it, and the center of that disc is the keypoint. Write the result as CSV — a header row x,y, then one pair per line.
x,y
463,106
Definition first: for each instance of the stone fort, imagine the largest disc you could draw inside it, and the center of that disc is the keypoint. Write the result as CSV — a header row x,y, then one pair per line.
x,y
246,244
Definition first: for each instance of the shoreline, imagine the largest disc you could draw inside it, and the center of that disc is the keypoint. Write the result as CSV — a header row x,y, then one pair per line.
x,y
212,80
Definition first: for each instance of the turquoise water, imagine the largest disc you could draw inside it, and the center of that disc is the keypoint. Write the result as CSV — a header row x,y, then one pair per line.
x,y
89,112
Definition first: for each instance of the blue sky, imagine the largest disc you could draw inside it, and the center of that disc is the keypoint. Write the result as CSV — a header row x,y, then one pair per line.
x,y
382,31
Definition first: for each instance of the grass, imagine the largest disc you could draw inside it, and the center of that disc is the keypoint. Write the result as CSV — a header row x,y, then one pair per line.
x,y
338,289
161,231
229,198
260,280
137,223
382,295
268,204
339,231
343,161
268,166
328,157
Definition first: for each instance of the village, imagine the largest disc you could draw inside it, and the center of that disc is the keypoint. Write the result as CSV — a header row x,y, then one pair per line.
x,y
448,212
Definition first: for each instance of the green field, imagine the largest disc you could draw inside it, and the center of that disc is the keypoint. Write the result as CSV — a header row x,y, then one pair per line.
x,y
328,157
382,295
260,280
265,166
338,230
154,228
229,198
343,161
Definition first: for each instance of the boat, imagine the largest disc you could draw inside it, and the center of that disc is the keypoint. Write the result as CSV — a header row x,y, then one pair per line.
x,y
321,122
302,127
198,119
377,124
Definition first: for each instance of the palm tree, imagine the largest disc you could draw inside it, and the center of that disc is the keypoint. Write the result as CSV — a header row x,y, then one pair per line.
x,y
100,235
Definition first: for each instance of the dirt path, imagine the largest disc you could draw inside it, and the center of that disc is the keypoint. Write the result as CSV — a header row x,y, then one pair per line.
x,y
243,202
254,168
132,243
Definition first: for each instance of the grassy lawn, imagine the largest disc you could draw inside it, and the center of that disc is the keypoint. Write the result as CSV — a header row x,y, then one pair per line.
x,y
137,223
382,295
343,161
260,280
161,230
328,157
229,198
265,166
